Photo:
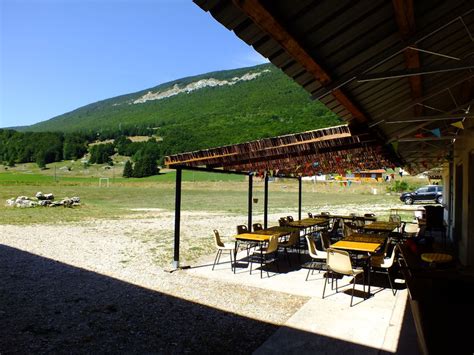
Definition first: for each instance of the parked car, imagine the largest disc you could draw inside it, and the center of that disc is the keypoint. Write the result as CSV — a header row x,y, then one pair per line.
x,y
425,193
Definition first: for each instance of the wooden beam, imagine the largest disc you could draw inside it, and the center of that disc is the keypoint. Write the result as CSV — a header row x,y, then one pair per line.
x,y
260,15
405,18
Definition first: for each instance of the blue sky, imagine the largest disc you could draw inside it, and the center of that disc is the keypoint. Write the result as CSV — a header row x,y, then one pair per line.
x,y
57,55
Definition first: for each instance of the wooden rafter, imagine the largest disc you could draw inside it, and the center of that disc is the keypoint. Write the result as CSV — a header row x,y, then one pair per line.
x,y
405,18
260,15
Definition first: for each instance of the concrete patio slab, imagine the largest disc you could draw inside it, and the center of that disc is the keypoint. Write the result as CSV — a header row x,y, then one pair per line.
x,y
326,325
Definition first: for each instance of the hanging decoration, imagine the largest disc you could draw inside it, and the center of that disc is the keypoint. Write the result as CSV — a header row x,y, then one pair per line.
x,y
436,132
395,146
458,124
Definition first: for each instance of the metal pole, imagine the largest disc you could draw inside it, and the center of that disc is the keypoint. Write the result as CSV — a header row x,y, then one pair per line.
x,y
250,202
177,218
299,197
265,203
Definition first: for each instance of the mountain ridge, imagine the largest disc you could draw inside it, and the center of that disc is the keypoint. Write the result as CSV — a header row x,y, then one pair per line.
x,y
200,111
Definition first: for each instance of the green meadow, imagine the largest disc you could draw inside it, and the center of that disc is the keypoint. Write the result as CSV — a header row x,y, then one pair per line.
x,y
201,192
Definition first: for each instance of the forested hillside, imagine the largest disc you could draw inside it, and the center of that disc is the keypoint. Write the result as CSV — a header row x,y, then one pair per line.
x,y
263,102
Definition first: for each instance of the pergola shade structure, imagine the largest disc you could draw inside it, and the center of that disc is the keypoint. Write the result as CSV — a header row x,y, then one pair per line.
x,y
329,150
399,70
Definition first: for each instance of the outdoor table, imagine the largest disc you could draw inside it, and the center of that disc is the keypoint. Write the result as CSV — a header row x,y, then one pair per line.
x,y
358,247
380,226
436,258
348,217
366,238
308,223
259,237
279,231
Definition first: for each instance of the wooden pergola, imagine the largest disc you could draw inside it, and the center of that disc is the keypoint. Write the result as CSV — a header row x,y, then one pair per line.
x,y
322,151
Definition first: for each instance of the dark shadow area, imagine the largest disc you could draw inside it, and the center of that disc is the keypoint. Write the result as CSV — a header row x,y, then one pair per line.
x,y
442,304
50,307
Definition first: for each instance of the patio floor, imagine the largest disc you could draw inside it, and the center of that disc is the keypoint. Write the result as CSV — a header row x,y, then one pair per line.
x,y
381,323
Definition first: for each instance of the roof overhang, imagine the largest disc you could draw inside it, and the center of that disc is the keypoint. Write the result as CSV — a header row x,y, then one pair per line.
x,y
327,150
401,71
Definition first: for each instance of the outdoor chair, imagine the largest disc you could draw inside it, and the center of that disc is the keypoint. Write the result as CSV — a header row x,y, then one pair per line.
x,y
384,263
290,218
266,255
257,227
242,228
334,233
310,215
221,247
325,214
318,257
395,218
368,215
292,242
348,229
339,262
325,240
283,222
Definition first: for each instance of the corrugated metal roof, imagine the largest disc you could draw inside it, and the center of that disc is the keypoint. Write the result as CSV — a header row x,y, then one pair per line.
x,y
352,39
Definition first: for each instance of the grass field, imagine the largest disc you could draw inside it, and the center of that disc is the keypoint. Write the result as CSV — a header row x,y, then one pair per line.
x,y
201,192
142,209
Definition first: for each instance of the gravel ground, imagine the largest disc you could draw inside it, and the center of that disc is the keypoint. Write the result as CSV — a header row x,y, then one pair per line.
x,y
96,287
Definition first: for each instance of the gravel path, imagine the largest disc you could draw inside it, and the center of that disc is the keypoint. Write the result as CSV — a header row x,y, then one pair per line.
x,y
96,287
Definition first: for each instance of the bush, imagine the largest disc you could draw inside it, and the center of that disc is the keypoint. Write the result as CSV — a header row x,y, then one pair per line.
x,y
398,186
127,170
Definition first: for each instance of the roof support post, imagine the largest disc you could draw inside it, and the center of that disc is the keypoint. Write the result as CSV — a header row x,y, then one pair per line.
x,y
265,203
250,202
300,186
177,218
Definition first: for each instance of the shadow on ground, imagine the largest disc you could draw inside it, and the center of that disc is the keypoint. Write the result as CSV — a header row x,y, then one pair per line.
x,y
50,307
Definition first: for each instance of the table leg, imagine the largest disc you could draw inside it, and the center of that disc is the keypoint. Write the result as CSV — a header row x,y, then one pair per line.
x,y
235,254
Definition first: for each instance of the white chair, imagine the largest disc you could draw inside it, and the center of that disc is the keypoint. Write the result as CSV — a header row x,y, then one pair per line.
x,y
221,247
385,263
263,255
339,262
315,254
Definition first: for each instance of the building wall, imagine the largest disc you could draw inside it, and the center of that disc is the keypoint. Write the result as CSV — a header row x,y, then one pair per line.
x,y
463,148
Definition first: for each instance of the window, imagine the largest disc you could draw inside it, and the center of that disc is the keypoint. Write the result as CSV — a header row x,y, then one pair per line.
x,y
422,190
432,189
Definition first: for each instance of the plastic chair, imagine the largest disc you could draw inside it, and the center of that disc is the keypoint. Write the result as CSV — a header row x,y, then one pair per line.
x,y
283,222
265,253
257,227
290,243
325,241
310,215
242,228
221,247
385,264
314,253
339,262
290,218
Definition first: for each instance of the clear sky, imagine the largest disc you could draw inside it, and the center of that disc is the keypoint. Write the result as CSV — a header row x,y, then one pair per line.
x,y
58,55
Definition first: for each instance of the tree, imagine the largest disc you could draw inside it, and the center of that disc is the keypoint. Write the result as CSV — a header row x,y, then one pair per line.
x,y
145,166
128,169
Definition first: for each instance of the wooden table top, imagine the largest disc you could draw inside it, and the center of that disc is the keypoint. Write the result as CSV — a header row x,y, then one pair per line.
x,y
437,258
381,226
277,230
307,222
253,237
356,246
347,217
366,238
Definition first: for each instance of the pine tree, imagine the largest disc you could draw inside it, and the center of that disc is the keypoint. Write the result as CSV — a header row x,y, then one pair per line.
x,y
128,169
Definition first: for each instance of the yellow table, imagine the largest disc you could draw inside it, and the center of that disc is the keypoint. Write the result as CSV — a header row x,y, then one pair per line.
x,y
357,246
307,222
369,248
436,258
380,226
